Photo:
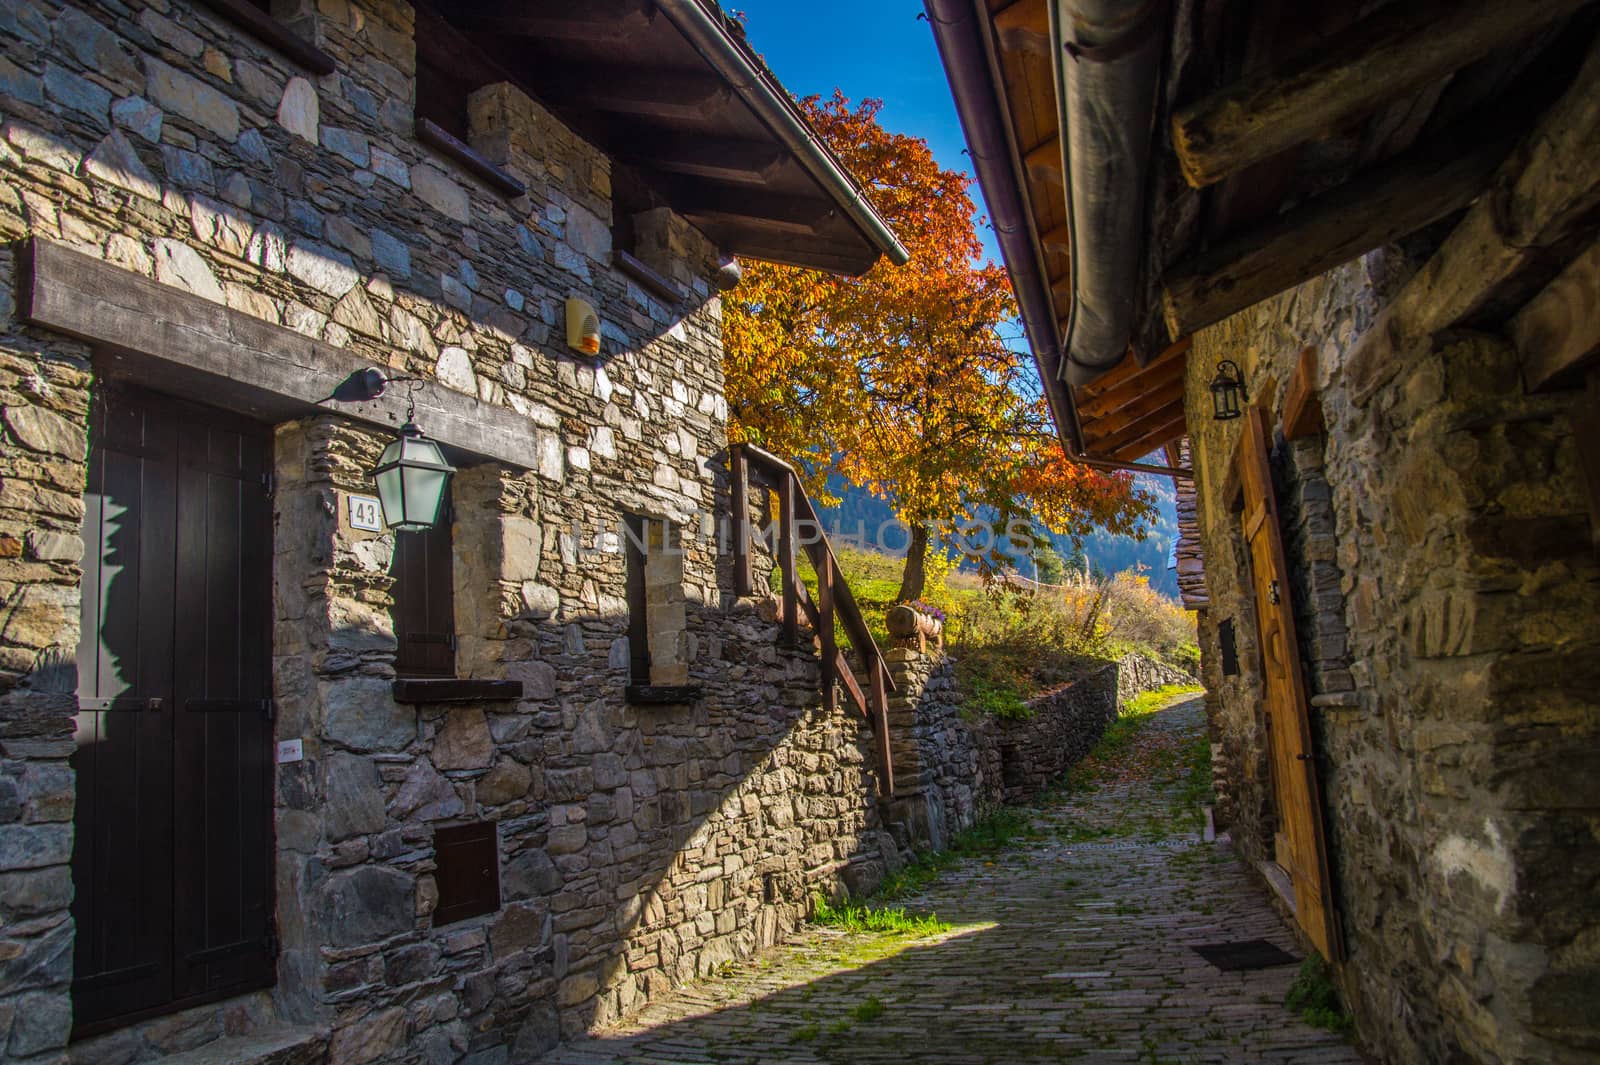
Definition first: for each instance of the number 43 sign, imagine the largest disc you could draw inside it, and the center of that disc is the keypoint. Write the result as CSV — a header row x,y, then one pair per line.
x,y
365,514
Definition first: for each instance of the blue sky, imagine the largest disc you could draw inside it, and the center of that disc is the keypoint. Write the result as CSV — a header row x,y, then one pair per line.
x,y
876,48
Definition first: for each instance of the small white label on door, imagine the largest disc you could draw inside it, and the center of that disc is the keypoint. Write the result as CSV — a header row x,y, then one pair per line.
x,y
366,514
291,751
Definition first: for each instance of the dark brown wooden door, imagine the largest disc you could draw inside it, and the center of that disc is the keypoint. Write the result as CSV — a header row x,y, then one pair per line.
x,y
1301,847
172,863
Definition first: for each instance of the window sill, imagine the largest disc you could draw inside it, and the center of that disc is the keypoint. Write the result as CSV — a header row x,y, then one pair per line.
x,y
452,690
446,144
662,694
270,31
652,282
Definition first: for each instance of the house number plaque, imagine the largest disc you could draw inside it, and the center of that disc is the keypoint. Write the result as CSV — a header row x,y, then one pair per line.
x,y
365,513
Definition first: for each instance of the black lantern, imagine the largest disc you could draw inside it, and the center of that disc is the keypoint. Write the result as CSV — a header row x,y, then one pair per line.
x,y
412,476
1227,390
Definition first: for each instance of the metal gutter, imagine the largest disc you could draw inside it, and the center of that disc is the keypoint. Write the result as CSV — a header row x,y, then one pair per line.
x,y
1108,65
961,38
708,33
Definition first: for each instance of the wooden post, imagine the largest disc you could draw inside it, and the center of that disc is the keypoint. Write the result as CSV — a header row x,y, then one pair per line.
x,y
1386,55
880,725
739,500
830,650
786,563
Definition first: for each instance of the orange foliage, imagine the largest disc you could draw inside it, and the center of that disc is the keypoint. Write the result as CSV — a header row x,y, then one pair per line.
x,y
900,379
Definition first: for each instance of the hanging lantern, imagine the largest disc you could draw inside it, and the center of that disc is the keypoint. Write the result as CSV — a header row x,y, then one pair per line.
x,y
412,476
1227,391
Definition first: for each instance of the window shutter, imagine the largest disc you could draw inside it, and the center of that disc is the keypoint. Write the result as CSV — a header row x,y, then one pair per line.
x,y
424,600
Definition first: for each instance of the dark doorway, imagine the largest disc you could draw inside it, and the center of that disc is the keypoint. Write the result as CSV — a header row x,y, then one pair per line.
x,y
172,863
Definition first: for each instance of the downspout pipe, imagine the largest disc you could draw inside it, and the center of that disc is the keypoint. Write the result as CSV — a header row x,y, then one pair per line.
x,y
706,31
960,38
1108,67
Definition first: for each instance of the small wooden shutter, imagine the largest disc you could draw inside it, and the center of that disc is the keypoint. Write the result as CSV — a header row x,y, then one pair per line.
x,y
1302,847
424,600
467,858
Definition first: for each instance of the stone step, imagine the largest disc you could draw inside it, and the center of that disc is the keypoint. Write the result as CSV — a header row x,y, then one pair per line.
x,y
278,1044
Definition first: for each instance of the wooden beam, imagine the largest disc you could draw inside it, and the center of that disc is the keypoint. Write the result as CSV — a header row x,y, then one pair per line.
x,y
592,20
1162,434
1110,442
1058,239
1392,201
725,159
1024,26
1158,397
1302,412
1044,162
1558,332
1400,49
751,209
282,39
1152,379
1129,367
652,93
200,350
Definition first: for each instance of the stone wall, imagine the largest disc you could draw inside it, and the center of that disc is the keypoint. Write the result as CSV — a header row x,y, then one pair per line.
x,y
1445,592
951,767
638,845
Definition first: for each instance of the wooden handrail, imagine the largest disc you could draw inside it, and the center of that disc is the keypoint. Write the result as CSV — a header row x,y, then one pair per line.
x,y
834,604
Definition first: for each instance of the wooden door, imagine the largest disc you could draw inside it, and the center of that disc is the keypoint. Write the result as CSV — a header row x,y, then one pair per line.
x,y
172,861
1301,845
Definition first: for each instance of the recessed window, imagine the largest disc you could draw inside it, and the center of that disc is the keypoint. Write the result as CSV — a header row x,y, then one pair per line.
x,y
658,630
1229,648
442,98
467,861
424,600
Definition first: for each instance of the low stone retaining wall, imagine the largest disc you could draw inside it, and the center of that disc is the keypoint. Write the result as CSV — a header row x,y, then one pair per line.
x,y
951,768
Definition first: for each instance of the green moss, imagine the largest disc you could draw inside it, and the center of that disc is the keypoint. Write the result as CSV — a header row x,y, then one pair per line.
x,y
1315,998
853,917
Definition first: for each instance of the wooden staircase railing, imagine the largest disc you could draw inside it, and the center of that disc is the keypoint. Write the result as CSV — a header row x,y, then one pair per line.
x,y
799,526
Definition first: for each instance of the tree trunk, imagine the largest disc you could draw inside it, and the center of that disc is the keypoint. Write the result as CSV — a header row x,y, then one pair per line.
x,y
915,575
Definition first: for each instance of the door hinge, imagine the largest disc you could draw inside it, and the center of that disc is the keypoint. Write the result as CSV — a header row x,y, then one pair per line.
x,y
268,484
268,711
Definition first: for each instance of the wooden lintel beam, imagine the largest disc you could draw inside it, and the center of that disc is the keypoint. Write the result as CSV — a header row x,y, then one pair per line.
x,y
1161,435
715,158
1044,162
1302,411
757,210
1367,212
592,20
1024,26
1129,367
1558,332
1400,49
1057,239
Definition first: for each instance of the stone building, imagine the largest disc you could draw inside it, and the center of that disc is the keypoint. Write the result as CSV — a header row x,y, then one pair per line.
x,y
1370,232
282,784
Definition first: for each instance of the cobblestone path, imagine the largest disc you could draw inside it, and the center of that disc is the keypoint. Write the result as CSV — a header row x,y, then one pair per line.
x,y
1072,943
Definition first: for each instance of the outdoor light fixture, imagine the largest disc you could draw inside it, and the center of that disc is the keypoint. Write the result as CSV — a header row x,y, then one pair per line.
x,y
1227,390
412,473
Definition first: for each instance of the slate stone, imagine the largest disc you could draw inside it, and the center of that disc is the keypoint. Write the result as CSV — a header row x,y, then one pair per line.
x,y
441,192
43,1020
187,169
253,146
391,254
530,874
44,148
298,110
361,714
391,168
425,795
181,94
454,369
34,846
540,1032
508,780
75,93
40,429
410,964
323,268
181,266
346,142
366,905
519,926
456,294
19,85
95,47
115,162
139,117
464,741
354,798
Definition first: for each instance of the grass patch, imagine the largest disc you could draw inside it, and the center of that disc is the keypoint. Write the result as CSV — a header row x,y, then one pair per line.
x,y
1151,701
1315,998
870,1010
855,917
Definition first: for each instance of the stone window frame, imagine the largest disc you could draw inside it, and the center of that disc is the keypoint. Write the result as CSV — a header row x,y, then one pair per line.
x,y
261,22
657,610
447,142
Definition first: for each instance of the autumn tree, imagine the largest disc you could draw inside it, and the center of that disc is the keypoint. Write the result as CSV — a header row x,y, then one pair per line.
x,y
901,380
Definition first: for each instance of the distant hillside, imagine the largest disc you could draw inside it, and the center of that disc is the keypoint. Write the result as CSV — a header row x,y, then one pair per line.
x,y
861,516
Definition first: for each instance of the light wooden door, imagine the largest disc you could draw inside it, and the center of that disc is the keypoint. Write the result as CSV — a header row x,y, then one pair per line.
x,y
1301,845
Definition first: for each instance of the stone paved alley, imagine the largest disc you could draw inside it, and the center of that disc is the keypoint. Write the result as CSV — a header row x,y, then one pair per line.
x,y
1073,942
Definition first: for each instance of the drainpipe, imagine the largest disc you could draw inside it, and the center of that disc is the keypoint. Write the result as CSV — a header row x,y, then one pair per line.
x,y
1107,71
709,36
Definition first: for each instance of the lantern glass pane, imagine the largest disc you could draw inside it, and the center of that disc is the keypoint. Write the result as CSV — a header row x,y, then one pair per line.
x,y
391,494
424,491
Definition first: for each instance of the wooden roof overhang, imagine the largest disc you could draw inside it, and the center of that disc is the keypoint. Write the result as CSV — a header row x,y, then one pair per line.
x,y
1289,138
690,115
